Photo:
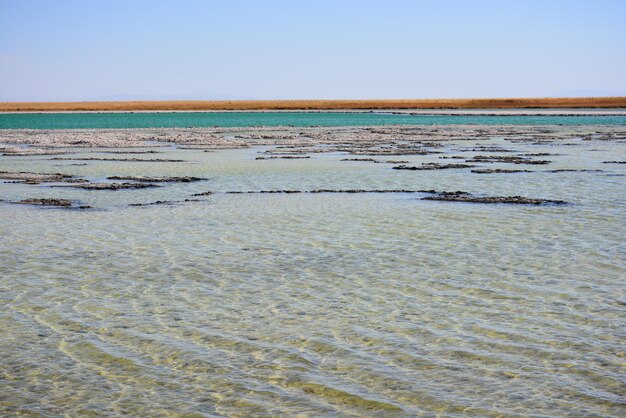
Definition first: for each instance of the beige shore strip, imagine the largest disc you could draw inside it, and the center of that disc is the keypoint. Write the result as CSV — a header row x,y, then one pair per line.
x,y
198,105
359,140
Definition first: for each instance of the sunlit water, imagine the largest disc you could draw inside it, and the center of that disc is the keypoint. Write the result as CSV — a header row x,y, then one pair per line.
x,y
239,119
315,304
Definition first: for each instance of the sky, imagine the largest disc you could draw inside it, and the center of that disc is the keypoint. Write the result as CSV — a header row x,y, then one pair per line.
x,y
66,50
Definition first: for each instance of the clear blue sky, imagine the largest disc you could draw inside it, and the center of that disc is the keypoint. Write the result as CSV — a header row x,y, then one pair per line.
x,y
140,49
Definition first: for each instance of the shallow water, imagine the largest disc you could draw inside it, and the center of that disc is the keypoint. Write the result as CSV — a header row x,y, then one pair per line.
x,y
316,304
240,119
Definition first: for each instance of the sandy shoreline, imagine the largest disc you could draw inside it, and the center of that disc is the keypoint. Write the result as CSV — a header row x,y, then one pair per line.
x,y
41,141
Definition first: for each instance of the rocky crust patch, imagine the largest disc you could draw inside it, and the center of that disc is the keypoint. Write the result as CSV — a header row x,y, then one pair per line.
x,y
129,152
145,179
36,178
328,191
537,154
11,151
284,157
111,186
498,170
132,160
27,176
453,144
432,166
372,160
392,151
52,202
164,202
460,196
572,170
46,202
490,149
365,191
505,159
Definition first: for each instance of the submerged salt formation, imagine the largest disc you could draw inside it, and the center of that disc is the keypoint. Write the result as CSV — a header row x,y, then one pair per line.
x,y
514,200
432,166
147,179
485,149
52,202
111,186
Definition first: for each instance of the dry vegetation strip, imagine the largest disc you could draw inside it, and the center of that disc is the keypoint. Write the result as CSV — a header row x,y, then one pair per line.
x,y
522,103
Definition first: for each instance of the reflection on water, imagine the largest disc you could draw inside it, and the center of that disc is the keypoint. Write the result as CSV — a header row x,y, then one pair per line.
x,y
319,304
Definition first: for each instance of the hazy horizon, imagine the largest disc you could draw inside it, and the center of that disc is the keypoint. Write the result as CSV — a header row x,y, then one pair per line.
x,y
191,50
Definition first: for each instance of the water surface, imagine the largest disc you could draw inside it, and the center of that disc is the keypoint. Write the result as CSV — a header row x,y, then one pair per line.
x,y
316,304
242,119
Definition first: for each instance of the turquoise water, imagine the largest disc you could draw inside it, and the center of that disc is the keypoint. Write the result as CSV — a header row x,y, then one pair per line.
x,y
241,119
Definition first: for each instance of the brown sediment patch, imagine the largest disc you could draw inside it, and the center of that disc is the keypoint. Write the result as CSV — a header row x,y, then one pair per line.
x,y
505,159
284,157
185,179
468,198
432,166
133,160
499,170
110,186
